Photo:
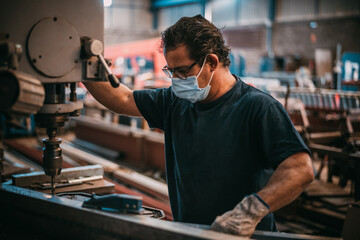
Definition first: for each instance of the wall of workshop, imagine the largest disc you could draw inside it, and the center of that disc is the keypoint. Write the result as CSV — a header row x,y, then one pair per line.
x,y
245,22
128,20
302,26
249,42
298,38
169,15
234,17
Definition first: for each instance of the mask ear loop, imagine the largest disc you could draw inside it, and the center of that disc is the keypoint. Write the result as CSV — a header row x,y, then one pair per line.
x,y
202,66
212,74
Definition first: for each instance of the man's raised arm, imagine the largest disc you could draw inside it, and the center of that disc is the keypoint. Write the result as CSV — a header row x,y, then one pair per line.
x,y
119,100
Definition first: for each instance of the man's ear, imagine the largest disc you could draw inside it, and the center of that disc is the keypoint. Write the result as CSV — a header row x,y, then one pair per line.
x,y
213,61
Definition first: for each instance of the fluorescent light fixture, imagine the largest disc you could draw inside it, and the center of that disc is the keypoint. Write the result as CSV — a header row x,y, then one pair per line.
x,y
107,3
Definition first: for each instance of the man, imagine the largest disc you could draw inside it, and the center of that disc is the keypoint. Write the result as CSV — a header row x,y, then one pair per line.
x,y
231,150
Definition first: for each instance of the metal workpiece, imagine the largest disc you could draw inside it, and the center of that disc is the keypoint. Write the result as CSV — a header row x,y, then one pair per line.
x,y
87,179
23,180
20,93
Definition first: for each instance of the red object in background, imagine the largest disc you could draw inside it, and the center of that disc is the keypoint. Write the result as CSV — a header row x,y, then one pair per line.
x,y
138,48
337,101
148,49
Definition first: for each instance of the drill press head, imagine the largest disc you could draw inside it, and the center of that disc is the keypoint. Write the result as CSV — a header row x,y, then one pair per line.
x,y
51,116
50,34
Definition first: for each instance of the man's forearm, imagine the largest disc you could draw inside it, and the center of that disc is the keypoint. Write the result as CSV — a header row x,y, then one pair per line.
x,y
291,177
119,100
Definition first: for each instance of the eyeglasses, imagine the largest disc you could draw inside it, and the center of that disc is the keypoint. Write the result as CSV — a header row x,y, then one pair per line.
x,y
180,72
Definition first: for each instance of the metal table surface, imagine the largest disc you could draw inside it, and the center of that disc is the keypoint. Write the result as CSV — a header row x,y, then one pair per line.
x,y
60,218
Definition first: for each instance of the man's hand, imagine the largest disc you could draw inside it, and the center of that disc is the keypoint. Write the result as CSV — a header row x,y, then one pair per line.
x,y
242,220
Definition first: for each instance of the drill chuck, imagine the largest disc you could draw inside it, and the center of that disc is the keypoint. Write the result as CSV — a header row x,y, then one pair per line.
x,y
52,158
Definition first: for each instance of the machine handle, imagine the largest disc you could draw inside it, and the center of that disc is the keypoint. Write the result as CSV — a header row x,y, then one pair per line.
x,y
93,47
114,81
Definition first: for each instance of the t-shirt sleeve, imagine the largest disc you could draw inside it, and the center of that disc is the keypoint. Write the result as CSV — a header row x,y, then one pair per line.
x,y
152,104
277,137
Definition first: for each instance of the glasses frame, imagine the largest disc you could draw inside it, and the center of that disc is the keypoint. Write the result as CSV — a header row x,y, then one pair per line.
x,y
170,72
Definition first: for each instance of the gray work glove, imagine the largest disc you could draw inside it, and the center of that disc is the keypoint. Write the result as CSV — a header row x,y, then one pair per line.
x,y
242,220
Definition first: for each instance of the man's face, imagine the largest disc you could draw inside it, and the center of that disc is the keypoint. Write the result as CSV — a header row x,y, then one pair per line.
x,y
179,58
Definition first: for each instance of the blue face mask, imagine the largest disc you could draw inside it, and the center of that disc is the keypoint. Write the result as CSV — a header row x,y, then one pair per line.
x,y
188,89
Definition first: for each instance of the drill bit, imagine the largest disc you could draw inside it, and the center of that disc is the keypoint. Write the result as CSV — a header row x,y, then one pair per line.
x,y
53,185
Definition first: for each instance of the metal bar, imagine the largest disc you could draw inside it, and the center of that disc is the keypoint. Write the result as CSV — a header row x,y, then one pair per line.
x,y
86,179
22,180
97,186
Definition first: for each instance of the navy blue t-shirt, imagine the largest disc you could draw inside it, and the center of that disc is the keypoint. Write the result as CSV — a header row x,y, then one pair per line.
x,y
219,152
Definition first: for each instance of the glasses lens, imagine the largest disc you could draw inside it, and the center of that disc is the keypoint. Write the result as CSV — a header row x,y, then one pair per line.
x,y
167,72
180,75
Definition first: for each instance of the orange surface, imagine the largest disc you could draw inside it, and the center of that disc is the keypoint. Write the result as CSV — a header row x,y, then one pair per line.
x,y
148,47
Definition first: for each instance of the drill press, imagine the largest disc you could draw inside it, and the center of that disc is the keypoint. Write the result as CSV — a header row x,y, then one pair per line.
x,y
62,48
51,116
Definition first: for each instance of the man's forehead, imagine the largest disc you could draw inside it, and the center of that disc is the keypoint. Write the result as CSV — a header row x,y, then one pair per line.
x,y
176,57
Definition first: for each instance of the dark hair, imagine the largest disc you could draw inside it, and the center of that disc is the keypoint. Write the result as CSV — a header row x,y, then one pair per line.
x,y
199,35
